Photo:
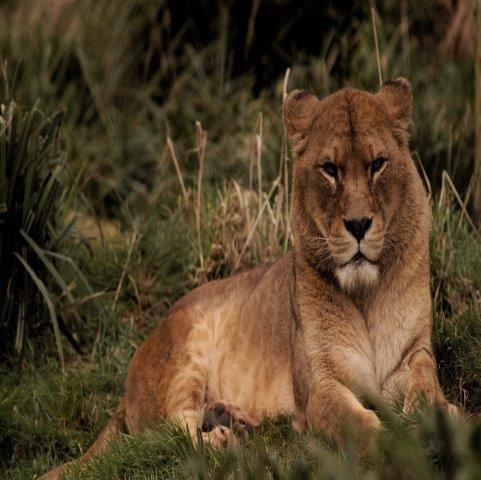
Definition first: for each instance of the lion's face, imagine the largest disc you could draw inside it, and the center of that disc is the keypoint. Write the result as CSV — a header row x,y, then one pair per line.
x,y
350,176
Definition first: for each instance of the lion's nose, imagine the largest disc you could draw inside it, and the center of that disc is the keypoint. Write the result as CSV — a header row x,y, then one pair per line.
x,y
358,227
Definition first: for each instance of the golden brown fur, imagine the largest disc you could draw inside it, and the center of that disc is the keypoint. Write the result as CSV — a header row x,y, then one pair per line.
x,y
314,333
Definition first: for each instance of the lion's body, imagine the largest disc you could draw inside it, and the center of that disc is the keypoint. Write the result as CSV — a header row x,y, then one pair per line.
x,y
242,341
230,340
346,314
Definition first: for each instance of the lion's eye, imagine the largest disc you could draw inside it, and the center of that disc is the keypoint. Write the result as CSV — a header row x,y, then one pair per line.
x,y
330,169
377,165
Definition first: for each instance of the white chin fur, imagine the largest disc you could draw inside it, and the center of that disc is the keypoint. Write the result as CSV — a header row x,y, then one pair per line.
x,y
357,276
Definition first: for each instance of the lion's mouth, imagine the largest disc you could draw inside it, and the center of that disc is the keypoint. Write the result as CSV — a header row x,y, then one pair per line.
x,y
357,259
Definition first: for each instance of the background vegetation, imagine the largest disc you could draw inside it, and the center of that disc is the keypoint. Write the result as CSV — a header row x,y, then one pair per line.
x,y
170,168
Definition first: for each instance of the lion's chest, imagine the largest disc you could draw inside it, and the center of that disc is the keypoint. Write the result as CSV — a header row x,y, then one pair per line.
x,y
391,325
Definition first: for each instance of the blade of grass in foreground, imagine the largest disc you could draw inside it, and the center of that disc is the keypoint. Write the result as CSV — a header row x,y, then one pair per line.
x,y
51,308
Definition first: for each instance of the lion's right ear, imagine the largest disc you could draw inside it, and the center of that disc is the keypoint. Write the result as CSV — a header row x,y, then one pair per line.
x,y
300,110
397,98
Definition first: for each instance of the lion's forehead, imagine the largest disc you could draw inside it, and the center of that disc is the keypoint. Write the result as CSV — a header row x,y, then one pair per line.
x,y
352,112
348,120
367,143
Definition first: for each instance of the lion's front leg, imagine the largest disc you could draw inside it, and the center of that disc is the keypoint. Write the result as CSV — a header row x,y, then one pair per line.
x,y
417,380
333,409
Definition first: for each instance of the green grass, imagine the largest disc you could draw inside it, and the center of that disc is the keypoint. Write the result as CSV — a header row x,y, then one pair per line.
x,y
31,166
427,451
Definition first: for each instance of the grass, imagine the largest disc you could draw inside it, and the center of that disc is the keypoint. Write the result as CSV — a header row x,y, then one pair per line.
x,y
121,108
47,417
30,195
177,173
276,452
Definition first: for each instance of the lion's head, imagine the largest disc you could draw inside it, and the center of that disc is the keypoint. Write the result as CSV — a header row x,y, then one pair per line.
x,y
357,196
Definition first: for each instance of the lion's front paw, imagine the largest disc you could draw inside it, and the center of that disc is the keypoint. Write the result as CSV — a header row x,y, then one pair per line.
x,y
417,396
227,415
416,399
366,429
366,420
220,436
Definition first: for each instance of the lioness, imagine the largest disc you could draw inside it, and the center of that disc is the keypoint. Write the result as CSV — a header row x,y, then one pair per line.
x,y
345,314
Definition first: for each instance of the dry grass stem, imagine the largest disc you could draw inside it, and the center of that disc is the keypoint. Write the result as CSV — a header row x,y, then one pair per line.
x,y
284,167
376,42
259,127
170,146
201,138
427,183
446,180
133,242
254,225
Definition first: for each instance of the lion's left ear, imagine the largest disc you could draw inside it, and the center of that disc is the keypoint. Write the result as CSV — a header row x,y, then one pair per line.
x,y
397,97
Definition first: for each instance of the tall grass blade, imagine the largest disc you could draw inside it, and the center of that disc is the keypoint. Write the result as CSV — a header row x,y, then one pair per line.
x,y
51,308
